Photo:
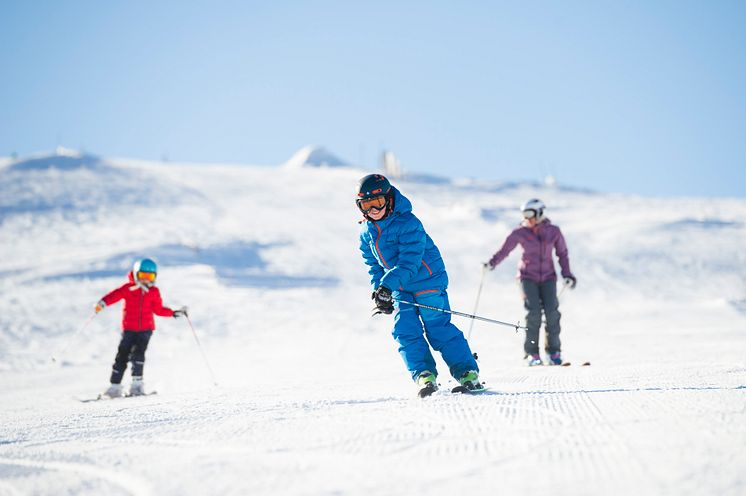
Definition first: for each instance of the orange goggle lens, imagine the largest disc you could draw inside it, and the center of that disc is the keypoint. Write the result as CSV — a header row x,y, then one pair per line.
x,y
146,276
377,202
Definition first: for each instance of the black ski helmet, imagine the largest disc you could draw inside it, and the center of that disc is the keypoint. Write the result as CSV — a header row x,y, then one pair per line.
x,y
373,185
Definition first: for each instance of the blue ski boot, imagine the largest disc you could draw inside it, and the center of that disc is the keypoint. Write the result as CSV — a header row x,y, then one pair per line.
x,y
554,358
533,360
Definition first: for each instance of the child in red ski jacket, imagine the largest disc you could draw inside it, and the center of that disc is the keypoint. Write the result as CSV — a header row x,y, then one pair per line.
x,y
142,300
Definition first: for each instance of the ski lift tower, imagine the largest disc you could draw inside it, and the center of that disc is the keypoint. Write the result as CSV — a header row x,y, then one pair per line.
x,y
391,165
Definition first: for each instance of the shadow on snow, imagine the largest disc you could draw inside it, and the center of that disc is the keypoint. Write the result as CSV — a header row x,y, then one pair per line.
x,y
235,264
613,390
708,224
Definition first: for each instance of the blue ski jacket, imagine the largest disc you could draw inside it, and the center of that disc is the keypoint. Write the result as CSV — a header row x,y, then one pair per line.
x,y
399,253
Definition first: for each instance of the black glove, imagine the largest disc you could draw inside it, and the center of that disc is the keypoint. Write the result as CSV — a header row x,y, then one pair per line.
x,y
570,282
383,299
181,312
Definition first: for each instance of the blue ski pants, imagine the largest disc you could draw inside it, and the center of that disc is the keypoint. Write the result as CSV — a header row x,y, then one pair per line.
x,y
417,329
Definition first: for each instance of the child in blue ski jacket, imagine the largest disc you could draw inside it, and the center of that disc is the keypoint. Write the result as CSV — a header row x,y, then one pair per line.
x,y
405,267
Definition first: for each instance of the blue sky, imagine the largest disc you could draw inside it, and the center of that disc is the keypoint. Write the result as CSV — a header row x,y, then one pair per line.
x,y
636,96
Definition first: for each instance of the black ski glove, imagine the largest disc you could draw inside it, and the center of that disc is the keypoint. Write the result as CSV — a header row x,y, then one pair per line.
x,y
570,282
181,312
383,299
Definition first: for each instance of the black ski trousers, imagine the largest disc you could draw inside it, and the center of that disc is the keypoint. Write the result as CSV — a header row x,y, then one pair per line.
x,y
537,297
131,348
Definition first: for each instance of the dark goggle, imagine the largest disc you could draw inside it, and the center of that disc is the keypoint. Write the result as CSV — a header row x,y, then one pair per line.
x,y
146,276
529,214
367,204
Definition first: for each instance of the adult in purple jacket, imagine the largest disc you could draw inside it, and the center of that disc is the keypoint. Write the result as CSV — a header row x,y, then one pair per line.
x,y
538,237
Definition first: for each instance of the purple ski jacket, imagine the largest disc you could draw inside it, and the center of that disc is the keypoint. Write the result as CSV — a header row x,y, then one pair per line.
x,y
536,262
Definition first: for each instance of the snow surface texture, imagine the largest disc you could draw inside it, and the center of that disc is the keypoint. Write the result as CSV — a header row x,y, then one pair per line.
x,y
313,397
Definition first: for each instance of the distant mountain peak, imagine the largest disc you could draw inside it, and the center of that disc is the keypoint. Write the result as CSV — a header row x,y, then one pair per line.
x,y
314,156
61,159
61,151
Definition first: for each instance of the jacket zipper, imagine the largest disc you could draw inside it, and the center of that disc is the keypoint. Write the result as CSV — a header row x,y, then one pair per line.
x,y
541,254
380,254
142,303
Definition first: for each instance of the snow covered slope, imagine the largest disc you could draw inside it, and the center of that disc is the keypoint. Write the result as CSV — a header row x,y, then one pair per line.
x,y
312,396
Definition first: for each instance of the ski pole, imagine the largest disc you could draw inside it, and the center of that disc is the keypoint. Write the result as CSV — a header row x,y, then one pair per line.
x,y
559,298
453,312
72,338
204,357
476,302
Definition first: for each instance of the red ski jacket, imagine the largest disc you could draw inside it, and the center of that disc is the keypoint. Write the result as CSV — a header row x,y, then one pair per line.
x,y
139,305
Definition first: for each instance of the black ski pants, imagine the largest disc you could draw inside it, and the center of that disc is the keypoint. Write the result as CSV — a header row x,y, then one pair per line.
x,y
538,296
131,348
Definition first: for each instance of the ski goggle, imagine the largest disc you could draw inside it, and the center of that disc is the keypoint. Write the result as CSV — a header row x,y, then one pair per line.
x,y
146,276
367,204
529,214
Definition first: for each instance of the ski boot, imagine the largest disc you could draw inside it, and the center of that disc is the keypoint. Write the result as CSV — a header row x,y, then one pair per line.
x,y
533,360
469,383
426,380
114,391
554,358
137,388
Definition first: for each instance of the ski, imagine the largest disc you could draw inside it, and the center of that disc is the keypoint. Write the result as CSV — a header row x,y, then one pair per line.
x,y
102,397
149,393
466,390
563,364
427,390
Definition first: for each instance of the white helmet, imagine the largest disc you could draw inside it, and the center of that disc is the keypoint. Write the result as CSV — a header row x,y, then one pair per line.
x,y
533,208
